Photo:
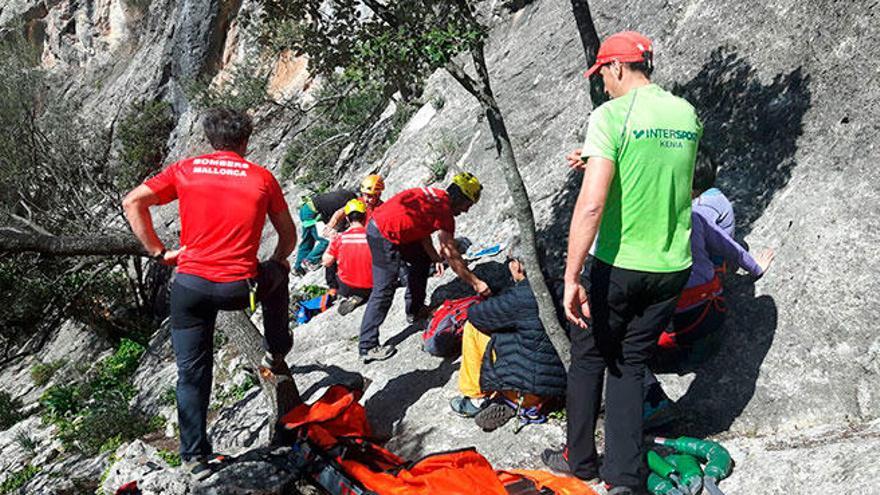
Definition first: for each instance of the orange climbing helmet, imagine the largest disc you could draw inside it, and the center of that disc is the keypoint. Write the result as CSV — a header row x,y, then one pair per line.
x,y
372,185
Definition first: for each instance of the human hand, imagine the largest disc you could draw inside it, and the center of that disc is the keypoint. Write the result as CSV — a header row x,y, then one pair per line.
x,y
764,259
329,233
439,269
482,288
574,160
576,304
170,257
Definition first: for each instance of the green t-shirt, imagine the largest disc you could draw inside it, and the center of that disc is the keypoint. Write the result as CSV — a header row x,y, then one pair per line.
x,y
652,138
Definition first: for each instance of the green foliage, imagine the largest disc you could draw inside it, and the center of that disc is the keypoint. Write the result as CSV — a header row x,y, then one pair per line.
x,y
439,169
18,479
58,175
143,134
10,411
41,373
26,442
235,393
94,416
426,35
168,397
345,109
170,458
106,474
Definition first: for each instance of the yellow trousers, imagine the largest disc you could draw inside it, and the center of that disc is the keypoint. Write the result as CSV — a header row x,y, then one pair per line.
x,y
473,347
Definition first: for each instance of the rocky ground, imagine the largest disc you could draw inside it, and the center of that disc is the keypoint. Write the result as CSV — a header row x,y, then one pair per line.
x,y
787,93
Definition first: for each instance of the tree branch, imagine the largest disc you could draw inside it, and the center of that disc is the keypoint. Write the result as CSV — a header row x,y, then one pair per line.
x,y
12,242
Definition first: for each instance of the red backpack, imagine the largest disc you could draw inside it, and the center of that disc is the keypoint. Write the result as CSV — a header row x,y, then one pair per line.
x,y
443,335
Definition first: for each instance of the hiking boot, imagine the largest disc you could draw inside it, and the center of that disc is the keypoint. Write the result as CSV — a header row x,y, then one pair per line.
x,y
419,316
556,460
348,304
310,266
494,416
378,353
465,407
197,467
657,415
602,488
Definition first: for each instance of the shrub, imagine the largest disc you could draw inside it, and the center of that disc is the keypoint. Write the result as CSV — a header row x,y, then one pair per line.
x,y
168,396
10,411
143,134
170,458
95,416
41,373
345,110
18,479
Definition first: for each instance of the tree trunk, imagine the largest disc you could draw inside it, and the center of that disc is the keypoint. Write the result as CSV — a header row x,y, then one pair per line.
x,y
280,391
590,40
482,91
526,220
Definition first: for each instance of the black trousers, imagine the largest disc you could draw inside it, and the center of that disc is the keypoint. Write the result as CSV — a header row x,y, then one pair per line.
x,y
388,258
195,302
629,310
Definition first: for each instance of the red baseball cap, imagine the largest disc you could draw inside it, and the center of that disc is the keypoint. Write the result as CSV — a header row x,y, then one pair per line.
x,y
625,46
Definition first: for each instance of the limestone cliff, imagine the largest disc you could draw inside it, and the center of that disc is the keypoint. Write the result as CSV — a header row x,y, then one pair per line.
x,y
788,96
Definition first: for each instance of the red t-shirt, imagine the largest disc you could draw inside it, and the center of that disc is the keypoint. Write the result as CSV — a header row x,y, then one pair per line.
x,y
223,201
415,214
352,253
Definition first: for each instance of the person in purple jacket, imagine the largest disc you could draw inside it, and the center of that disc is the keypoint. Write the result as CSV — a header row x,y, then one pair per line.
x,y
694,334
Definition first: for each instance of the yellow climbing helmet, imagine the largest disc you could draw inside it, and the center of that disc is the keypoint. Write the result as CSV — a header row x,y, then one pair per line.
x,y
372,185
469,185
355,205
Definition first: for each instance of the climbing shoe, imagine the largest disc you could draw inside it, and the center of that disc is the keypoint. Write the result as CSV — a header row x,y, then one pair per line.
x,y
378,353
465,407
494,416
348,304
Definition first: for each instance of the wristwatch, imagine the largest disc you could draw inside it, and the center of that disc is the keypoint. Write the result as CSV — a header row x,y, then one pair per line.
x,y
160,256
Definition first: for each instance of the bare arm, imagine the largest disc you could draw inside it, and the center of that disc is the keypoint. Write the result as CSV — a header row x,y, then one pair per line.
x,y
137,205
327,259
283,224
334,221
449,250
428,245
584,225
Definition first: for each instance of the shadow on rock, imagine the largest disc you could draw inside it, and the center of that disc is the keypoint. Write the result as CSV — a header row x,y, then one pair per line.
x,y
335,376
389,405
751,132
750,129
725,384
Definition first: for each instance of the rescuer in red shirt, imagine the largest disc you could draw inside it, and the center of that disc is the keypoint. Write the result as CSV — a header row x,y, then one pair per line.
x,y
399,234
223,201
350,254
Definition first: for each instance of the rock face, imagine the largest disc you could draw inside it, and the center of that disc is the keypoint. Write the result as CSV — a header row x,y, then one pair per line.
x,y
787,94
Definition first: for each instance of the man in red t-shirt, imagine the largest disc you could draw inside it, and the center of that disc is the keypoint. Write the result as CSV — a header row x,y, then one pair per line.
x,y
399,234
223,201
350,255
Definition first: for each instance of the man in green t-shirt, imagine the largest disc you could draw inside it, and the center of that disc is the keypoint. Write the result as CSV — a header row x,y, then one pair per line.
x,y
638,161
